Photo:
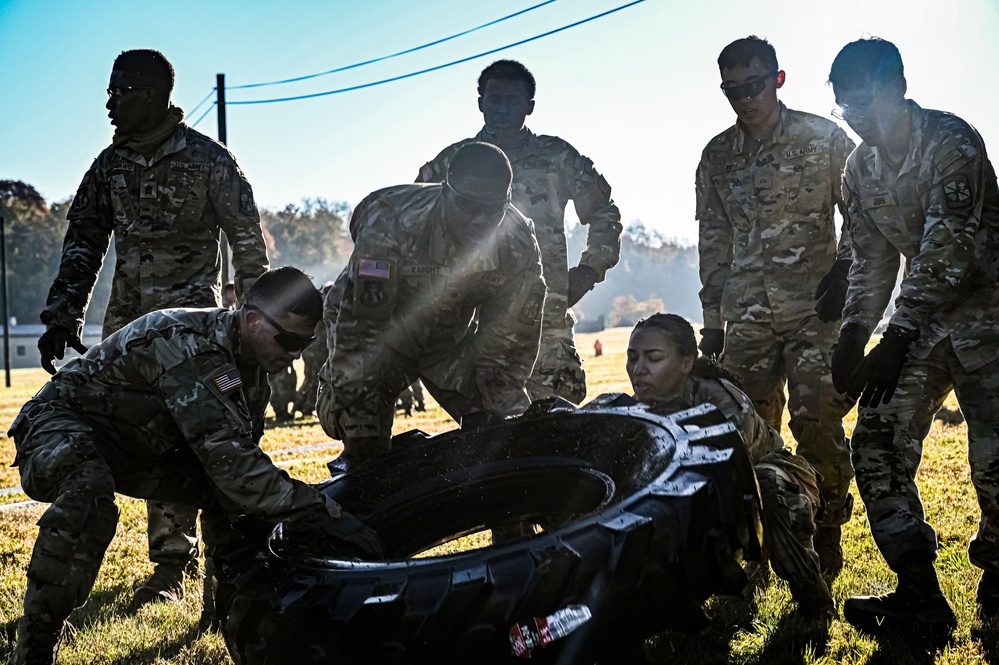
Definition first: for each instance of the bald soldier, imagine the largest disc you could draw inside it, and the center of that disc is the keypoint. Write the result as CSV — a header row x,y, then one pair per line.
x,y
547,173
444,285
165,193
171,408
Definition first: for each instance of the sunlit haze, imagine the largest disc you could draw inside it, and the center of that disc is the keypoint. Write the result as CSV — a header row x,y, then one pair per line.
x,y
636,90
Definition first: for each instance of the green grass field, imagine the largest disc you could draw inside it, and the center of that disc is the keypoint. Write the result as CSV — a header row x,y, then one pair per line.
x,y
759,627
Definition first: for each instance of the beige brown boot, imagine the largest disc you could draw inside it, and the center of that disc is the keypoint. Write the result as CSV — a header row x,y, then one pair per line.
x,y
165,584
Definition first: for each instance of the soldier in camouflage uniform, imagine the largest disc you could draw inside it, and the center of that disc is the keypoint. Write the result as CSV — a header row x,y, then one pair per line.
x,y
168,408
312,361
165,192
767,189
920,186
444,285
547,172
663,365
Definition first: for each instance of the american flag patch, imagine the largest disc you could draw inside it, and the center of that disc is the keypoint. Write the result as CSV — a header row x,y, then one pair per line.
x,y
229,381
373,268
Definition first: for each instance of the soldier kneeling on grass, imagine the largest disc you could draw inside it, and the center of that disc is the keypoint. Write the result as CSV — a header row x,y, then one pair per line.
x,y
170,408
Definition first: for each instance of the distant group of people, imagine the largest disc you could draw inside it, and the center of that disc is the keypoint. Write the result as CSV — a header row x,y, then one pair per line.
x,y
462,282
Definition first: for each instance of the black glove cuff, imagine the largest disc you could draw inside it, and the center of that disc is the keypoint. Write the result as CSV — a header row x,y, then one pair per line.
x,y
855,333
899,338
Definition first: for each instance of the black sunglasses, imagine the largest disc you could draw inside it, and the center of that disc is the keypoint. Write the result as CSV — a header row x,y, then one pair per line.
x,y
119,92
288,341
473,206
747,89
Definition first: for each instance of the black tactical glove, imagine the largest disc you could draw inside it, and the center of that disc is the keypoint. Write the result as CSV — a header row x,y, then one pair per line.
x,y
877,375
831,292
353,531
581,280
847,354
52,345
340,526
712,342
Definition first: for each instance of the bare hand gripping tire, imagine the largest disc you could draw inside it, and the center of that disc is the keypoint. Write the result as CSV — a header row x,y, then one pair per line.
x,y
644,517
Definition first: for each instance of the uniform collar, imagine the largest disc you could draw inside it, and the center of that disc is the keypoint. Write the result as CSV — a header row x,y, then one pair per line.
x,y
778,135
441,248
524,138
879,166
174,144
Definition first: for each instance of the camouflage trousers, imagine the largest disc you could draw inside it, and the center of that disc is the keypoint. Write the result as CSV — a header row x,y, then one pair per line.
x,y
558,369
769,355
412,395
791,500
59,462
283,385
305,401
173,533
888,445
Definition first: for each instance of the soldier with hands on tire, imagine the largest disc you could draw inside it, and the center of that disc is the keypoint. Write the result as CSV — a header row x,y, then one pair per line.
x,y
920,186
772,272
663,365
547,173
165,193
170,407
444,285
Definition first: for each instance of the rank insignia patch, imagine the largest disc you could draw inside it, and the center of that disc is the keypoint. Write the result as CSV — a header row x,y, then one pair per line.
x,y
957,191
228,381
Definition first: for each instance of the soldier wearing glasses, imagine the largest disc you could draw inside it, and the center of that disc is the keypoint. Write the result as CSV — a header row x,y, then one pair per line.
x,y
171,408
920,186
165,193
773,277
444,285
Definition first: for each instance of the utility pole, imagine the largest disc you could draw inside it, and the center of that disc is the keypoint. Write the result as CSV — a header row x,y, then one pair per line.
x,y
220,114
3,288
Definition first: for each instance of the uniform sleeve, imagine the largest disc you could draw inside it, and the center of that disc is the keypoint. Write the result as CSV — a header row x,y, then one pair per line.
x,y
236,211
217,426
875,264
714,246
939,273
508,335
435,170
87,239
364,311
840,148
591,196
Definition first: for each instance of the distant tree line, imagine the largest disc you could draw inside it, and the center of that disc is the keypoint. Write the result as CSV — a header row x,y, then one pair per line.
x,y
655,274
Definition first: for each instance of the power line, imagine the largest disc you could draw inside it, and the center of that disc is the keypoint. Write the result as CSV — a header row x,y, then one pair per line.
x,y
393,55
195,124
207,97
433,69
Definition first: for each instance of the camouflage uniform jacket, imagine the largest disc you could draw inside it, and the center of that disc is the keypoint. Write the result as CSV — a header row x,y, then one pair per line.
x,y
547,172
174,379
941,212
165,214
407,289
767,233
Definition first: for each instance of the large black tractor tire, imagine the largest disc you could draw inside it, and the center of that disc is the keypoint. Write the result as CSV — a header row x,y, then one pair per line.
x,y
643,518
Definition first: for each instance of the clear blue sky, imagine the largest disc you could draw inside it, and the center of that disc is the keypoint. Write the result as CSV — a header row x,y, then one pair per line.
x,y
636,91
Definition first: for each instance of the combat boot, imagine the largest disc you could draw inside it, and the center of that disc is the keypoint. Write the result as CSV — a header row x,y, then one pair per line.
x,y
36,642
813,598
165,584
988,596
916,605
828,546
